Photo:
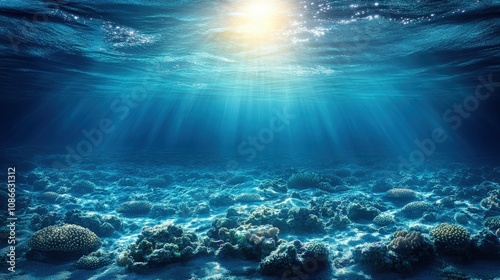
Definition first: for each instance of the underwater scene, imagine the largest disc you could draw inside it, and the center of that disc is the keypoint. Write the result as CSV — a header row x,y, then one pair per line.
x,y
250,139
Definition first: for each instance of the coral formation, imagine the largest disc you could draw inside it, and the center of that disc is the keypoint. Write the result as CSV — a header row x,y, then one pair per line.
x,y
492,202
451,239
161,210
248,197
400,194
416,209
304,180
83,186
135,207
95,260
221,199
493,223
245,242
159,246
403,254
292,259
486,245
361,211
277,185
38,221
102,225
64,238
237,179
384,219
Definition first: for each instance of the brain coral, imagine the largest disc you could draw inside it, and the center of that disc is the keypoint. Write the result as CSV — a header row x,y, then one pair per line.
x,y
135,207
65,238
399,193
384,219
416,208
454,239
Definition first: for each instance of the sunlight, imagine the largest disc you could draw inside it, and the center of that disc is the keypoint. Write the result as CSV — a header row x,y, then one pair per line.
x,y
259,19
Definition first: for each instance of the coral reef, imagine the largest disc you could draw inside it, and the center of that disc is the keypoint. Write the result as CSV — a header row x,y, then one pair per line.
x,y
293,219
102,225
158,182
361,211
237,179
277,185
246,242
135,207
95,260
292,259
493,223
161,210
64,238
160,246
384,219
400,194
492,202
486,245
39,221
404,254
82,187
451,239
248,197
304,180
221,199
416,209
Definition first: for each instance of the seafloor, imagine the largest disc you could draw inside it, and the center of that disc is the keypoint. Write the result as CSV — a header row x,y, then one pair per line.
x,y
161,215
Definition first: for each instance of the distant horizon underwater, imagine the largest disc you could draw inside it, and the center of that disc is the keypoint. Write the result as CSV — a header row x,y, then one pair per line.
x,y
250,139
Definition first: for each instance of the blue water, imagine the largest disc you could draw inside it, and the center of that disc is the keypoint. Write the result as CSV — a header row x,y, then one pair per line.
x,y
310,85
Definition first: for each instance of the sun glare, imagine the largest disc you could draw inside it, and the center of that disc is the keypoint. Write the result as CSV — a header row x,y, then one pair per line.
x,y
259,19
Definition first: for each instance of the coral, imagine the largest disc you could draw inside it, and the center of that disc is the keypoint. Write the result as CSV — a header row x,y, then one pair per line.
x,y
101,225
161,210
384,219
38,221
451,239
159,246
304,220
292,259
492,202
361,211
248,197
135,207
246,242
51,197
95,260
202,208
237,179
83,186
400,194
277,185
492,223
486,245
221,199
403,254
64,238
304,180
416,209
339,221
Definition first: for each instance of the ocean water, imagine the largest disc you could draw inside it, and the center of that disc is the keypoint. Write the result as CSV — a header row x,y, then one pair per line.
x,y
250,139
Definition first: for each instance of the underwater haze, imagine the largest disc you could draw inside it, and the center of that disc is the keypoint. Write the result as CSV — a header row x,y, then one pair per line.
x,y
250,139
